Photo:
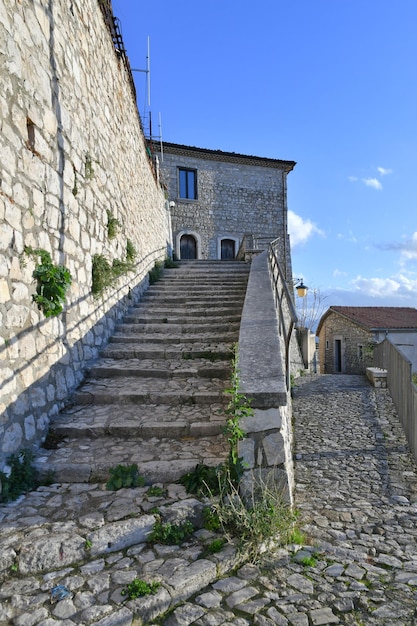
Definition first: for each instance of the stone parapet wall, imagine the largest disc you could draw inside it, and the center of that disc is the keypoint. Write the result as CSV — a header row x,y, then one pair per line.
x,y
267,448
72,150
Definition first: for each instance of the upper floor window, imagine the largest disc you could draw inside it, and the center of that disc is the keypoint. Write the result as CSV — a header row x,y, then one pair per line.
x,y
187,184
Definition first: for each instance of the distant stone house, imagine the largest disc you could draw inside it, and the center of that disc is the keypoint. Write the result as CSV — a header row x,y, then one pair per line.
x,y
216,197
347,335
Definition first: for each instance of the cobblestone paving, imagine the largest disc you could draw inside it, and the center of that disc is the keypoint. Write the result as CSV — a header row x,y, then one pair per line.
x,y
357,496
356,490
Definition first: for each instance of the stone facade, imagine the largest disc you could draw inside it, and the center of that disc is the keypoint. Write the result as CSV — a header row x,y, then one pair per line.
x,y
348,335
344,347
234,195
68,157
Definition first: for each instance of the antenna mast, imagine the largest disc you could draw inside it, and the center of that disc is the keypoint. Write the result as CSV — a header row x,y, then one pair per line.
x,y
147,115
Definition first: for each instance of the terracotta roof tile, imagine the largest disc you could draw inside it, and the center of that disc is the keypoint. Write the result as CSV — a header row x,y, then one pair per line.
x,y
379,317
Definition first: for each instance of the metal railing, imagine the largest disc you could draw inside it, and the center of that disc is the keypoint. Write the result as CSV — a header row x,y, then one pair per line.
x,y
287,317
401,387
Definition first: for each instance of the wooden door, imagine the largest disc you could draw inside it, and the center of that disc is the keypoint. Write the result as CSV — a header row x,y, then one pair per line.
x,y
188,247
227,249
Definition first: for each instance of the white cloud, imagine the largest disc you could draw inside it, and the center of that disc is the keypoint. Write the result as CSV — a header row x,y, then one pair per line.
x,y
372,182
383,171
353,179
301,230
337,273
409,250
398,286
377,287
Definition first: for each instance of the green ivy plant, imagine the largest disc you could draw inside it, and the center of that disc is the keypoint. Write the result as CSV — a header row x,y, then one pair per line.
x,y
53,281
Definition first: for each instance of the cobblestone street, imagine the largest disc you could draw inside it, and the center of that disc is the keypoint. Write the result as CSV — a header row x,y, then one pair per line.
x,y
356,491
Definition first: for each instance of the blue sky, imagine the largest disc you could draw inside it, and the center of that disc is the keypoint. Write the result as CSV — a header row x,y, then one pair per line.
x,y
331,85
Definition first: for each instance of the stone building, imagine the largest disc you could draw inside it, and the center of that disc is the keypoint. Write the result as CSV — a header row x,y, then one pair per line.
x,y
347,335
216,198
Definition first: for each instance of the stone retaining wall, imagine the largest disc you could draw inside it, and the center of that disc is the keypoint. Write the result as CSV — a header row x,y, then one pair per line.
x,y
72,150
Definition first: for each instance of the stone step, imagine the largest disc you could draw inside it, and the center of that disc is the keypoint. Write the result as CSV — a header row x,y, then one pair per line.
x,y
159,460
190,338
130,390
138,421
151,368
184,319
197,309
215,299
199,283
176,329
157,394
209,351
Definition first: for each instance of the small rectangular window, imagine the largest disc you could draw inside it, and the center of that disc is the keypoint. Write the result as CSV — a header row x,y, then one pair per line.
x,y
187,184
360,352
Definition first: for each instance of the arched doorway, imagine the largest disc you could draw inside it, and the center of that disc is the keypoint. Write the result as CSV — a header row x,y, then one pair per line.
x,y
188,247
227,251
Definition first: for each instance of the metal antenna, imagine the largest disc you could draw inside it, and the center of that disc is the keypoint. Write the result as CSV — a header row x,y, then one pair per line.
x,y
148,78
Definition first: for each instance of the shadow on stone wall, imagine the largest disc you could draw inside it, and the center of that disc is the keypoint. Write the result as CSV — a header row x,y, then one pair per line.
x,y
25,421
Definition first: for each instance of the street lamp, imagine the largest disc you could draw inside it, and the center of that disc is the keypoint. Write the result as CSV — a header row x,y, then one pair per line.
x,y
300,287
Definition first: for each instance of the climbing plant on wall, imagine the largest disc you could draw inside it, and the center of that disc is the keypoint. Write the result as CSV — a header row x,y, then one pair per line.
x,y
53,281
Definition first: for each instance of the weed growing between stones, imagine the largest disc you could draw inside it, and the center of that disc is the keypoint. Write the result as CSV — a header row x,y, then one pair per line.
x,y
156,491
155,273
88,167
123,476
296,536
53,281
264,522
170,263
261,519
171,534
309,561
203,480
139,588
237,408
131,252
113,225
105,274
211,519
215,546
19,478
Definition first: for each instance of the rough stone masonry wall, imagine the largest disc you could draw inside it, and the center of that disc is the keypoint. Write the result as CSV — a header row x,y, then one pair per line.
x,y
71,149
234,198
352,335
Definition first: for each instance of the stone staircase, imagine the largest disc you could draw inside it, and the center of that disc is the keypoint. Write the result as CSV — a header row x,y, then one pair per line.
x,y
156,396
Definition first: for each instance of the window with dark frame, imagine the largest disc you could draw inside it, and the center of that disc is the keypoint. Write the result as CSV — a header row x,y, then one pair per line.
x,y
187,180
